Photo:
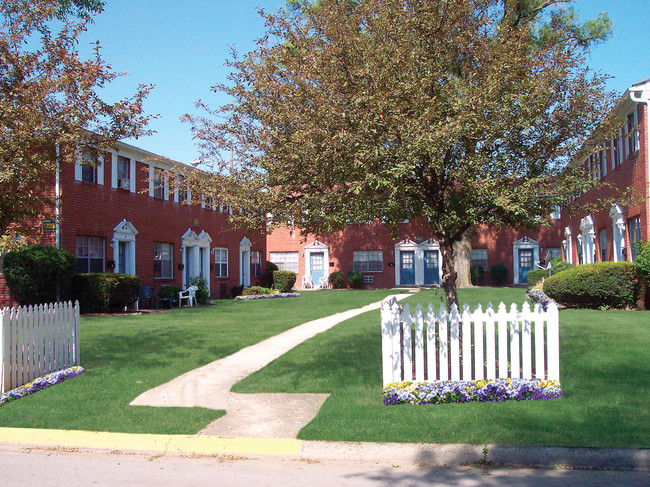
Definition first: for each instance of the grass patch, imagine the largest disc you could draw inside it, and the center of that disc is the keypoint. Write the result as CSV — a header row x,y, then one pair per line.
x,y
603,371
127,355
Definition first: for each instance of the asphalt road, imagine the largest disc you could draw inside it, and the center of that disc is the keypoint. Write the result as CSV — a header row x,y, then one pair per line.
x,y
68,467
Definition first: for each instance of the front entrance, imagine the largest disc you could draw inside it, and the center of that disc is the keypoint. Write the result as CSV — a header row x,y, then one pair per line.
x,y
316,268
407,267
525,264
431,267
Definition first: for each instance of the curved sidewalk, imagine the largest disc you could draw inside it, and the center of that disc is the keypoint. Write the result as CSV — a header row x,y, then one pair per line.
x,y
250,415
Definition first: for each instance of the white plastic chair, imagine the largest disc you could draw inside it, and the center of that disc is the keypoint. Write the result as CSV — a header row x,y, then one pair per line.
x,y
306,282
189,294
323,283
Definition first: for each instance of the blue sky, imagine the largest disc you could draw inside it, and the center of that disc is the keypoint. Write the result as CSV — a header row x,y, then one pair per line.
x,y
181,47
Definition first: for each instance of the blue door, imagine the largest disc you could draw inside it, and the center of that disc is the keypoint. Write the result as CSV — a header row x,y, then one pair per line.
x,y
407,267
431,267
316,267
525,264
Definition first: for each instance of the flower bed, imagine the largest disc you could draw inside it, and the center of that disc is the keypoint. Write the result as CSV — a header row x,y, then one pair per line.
x,y
41,383
267,296
536,295
443,392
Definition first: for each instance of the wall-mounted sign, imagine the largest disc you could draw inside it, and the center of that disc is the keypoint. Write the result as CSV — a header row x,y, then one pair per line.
x,y
419,239
49,226
196,222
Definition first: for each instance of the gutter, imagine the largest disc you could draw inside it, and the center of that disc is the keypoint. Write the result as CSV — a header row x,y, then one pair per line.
x,y
644,97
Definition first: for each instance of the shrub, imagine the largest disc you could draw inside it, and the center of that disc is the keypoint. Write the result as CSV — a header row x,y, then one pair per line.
x,y
535,276
169,292
236,291
499,274
642,263
256,291
336,280
603,284
38,274
283,281
203,293
355,279
558,265
105,292
270,269
476,275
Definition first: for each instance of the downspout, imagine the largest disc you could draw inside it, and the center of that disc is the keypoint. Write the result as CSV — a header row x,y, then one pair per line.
x,y
644,98
57,200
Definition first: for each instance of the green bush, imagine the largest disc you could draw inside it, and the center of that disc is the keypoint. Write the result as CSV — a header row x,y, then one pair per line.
x,y
270,269
256,291
336,280
283,281
603,284
642,263
558,265
39,274
236,291
203,293
536,275
476,275
499,274
355,279
169,292
105,292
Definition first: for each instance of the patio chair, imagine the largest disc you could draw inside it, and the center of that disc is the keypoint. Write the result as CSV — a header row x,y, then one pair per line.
x,y
189,294
306,283
147,292
323,283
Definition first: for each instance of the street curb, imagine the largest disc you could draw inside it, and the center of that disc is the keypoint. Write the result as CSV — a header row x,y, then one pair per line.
x,y
392,453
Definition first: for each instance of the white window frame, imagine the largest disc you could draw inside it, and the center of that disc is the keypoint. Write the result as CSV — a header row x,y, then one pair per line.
x,y
91,242
286,260
159,248
221,262
361,257
473,259
98,167
255,256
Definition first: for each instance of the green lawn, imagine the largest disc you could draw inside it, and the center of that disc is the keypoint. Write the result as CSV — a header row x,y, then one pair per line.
x,y
127,355
604,359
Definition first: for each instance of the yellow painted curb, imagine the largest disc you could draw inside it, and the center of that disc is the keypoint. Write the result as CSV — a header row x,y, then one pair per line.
x,y
150,443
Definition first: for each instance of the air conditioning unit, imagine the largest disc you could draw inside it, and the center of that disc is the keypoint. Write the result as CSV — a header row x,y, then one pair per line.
x,y
369,279
124,183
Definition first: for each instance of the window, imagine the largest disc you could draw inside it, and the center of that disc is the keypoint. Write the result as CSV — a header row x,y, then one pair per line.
x,y
632,132
554,251
286,261
163,260
368,260
602,242
256,263
89,163
619,148
603,163
220,262
479,259
634,229
158,184
182,189
2,257
90,254
123,172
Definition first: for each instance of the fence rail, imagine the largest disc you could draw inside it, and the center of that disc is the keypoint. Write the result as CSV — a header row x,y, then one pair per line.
x,y
464,345
36,341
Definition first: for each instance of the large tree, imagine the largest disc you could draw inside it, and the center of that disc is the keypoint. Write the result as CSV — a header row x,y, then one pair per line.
x,y
50,104
458,112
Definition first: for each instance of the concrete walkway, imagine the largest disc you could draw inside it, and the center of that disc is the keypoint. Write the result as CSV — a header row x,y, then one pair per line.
x,y
250,415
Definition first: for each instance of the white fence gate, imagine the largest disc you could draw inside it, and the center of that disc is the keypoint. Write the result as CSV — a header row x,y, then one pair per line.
x,y
36,341
469,345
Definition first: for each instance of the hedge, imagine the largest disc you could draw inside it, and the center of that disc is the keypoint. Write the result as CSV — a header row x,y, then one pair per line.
x,y
34,273
536,275
599,285
336,280
355,279
284,280
105,292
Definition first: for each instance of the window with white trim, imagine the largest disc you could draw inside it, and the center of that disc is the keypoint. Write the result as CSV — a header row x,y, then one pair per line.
x,y
634,230
256,263
368,260
479,258
90,254
286,261
632,133
89,164
123,172
602,244
158,184
182,190
220,262
163,260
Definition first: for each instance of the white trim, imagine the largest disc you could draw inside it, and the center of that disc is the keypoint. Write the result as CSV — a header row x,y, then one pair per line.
x,y
197,245
124,232
567,243
245,262
315,248
409,245
618,232
113,170
100,168
588,239
519,245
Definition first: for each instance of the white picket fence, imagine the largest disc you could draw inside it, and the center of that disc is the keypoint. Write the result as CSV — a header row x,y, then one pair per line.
x,y
36,341
428,346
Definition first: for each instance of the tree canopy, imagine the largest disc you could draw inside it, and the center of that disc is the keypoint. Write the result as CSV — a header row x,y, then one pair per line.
x,y
50,105
460,113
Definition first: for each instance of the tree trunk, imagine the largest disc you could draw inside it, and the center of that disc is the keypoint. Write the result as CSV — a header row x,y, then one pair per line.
x,y
449,274
463,260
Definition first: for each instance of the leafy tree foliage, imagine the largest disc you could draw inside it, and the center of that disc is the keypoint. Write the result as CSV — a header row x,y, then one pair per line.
x,y
50,107
459,113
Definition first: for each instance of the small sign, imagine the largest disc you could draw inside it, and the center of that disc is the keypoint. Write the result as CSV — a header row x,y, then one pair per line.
x,y
196,222
419,239
49,226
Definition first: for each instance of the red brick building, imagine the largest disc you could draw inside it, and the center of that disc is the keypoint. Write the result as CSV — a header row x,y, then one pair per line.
x,y
413,258
124,214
